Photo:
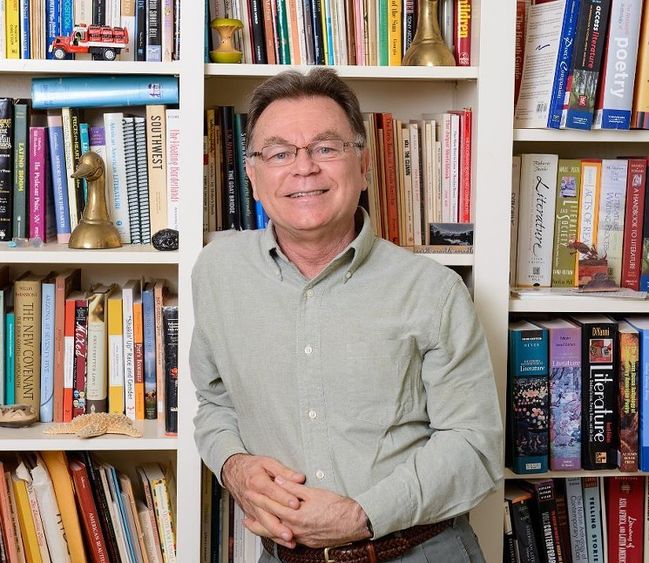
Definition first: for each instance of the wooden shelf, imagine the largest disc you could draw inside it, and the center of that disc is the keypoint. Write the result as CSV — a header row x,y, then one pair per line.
x,y
451,259
32,438
577,304
40,66
54,253
383,73
577,136
509,474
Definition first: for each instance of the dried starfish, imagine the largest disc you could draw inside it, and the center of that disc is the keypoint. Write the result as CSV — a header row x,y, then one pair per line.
x,y
96,424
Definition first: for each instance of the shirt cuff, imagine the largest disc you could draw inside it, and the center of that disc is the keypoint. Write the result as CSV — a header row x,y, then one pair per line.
x,y
227,446
387,508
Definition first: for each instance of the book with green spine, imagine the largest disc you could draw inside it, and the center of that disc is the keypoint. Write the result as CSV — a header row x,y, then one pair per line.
x,y
565,223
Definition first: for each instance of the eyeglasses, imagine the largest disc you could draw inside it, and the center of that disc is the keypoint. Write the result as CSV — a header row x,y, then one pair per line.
x,y
318,151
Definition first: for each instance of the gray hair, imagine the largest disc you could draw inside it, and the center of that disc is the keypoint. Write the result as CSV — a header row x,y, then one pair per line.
x,y
291,84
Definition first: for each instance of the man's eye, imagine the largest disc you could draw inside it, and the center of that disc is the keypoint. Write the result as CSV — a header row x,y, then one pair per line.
x,y
279,156
325,150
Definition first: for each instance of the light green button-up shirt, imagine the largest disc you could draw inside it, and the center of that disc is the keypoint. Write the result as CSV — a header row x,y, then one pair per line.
x,y
373,378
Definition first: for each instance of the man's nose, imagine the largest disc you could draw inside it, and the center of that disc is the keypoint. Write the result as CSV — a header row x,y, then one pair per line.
x,y
304,163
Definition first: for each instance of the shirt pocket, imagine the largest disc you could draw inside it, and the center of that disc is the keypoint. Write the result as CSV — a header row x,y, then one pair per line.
x,y
379,379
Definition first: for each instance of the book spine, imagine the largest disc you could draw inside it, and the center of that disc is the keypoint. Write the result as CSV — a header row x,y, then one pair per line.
x,y
524,531
318,32
640,115
12,22
564,58
391,180
68,359
140,30
27,308
593,517
24,30
97,376
47,351
576,520
628,401
70,165
166,30
528,384
462,42
232,207
80,357
591,172
394,33
130,164
536,220
129,351
154,31
615,99
67,17
38,174
521,7
115,354
150,382
610,228
142,179
159,297
6,168
10,360
170,322
466,132
600,416
99,12
138,345
258,40
116,187
58,176
633,221
99,91
545,514
624,508
308,33
21,167
565,399
127,21
269,34
173,168
157,166
247,202
587,60
283,33
565,223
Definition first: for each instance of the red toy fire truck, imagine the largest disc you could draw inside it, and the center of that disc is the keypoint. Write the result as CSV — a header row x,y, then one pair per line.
x,y
102,42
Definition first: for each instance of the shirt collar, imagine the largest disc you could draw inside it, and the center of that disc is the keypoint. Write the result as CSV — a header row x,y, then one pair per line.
x,y
360,246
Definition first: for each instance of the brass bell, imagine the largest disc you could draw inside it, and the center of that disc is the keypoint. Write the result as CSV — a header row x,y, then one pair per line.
x,y
95,229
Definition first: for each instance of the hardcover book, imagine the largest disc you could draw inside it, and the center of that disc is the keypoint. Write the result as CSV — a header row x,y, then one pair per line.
x,y
640,115
565,223
528,405
599,431
628,396
633,223
20,169
170,331
519,508
6,168
624,504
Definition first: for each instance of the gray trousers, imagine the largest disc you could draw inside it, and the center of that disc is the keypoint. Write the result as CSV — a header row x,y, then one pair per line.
x,y
457,544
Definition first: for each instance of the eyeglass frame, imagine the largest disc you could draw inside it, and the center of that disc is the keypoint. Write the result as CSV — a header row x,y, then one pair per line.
x,y
345,144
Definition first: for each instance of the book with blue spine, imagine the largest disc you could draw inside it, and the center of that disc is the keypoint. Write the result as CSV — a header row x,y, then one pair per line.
x,y
10,358
140,30
24,29
316,24
5,294
48,289
641,323
528,398
52,24
103,91
565,394
260,215
564,58
150,381
58,177
328,33
84,139
67,17
593,518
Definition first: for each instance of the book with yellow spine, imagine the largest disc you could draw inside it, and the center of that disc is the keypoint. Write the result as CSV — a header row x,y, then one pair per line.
x,y
27,528
57,467
12,23
115,353
394,32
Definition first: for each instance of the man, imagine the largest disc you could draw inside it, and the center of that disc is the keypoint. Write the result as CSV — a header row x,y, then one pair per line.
x,y
345,385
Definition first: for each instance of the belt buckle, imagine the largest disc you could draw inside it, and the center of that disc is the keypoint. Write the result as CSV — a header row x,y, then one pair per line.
x,y
326,551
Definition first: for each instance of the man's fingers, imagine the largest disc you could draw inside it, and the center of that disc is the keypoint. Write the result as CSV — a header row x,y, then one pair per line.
x,y
256,528
272,524
295,489
275,468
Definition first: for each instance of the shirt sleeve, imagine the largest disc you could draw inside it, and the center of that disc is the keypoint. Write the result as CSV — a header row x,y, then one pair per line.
x,y
216,428
460,464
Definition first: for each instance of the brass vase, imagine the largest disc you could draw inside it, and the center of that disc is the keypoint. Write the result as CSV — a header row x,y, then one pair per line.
x,y
428,47
95,230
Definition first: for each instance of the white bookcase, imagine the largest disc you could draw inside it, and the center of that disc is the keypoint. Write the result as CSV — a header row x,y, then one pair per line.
x,y
407,92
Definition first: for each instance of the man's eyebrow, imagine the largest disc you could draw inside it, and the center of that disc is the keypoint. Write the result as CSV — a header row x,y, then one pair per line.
x,y
322,136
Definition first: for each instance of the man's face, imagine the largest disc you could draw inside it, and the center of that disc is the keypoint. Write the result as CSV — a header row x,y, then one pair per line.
x,y
307,199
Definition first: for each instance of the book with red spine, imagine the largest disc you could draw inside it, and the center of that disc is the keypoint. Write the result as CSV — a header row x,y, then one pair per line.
x,y
80,356
633,221
466,128
625,514
462,29
519,51
390,171
88,512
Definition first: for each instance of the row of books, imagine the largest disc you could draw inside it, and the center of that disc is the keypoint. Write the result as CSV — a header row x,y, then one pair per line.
x,y
151,28
40,198
582,64
579,222
574,398
583,520
75,508
67,351
420,174
224,538
339,32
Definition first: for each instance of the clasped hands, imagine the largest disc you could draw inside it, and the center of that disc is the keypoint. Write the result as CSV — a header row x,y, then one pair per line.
x,y
279,506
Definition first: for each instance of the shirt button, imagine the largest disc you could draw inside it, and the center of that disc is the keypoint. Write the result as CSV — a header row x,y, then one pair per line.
x,y
319,474
308,350
309,293
312,414
348,275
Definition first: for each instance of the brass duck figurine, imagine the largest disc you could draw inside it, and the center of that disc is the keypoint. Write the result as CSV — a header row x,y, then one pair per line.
x,y
95,229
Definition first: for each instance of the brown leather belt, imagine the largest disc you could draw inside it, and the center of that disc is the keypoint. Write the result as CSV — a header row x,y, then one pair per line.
x,y
366,551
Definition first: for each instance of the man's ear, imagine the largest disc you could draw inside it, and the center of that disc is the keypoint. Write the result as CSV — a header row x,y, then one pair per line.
x,y
252,176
